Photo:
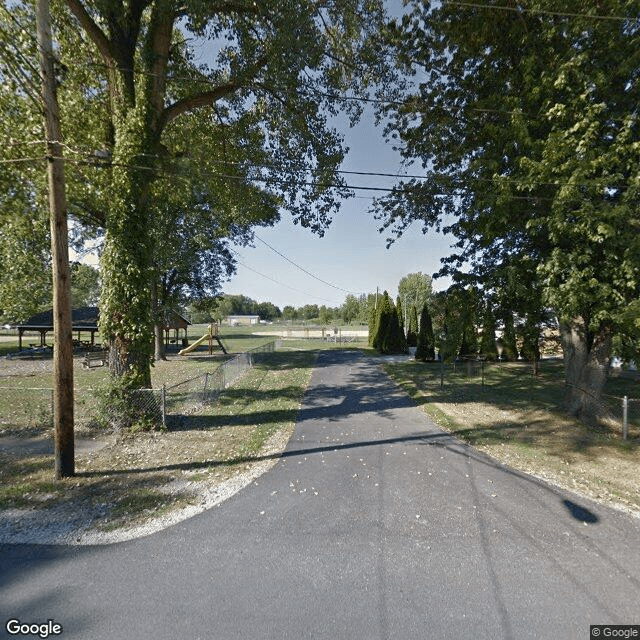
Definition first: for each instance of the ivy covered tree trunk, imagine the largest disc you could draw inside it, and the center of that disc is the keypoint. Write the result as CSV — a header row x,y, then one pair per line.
x,y
158,328
125,314
587,356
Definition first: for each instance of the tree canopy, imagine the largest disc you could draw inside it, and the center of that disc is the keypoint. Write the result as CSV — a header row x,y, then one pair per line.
x,y
215,116
525,119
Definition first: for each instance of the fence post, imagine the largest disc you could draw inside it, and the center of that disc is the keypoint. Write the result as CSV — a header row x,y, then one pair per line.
x,y
625,417
163,405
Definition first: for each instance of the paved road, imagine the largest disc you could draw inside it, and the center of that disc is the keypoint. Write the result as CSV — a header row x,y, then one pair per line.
x,y
373,525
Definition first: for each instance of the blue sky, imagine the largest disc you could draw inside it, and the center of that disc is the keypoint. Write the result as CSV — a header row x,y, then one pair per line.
x,y
352,255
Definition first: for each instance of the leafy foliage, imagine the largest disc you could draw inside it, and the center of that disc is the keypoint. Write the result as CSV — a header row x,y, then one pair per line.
x,y
25,264
526,122
488,348
85,285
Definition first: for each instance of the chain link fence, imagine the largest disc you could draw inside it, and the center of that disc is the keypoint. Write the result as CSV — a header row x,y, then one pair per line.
x,y
619,413
22,407
189,396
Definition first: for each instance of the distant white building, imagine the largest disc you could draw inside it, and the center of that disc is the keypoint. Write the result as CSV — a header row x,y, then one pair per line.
x,y
237,321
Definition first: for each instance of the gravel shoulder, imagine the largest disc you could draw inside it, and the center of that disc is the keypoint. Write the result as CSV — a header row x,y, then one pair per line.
x,y
131,485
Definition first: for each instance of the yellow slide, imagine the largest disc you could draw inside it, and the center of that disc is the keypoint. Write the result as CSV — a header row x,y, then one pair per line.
x,y
195,345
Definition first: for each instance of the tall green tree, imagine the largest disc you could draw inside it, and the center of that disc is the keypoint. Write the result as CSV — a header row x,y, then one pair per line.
x,y
388,337
526,119
425,347
325,314
289,313
85,285
488,348
530,333
509,339
280,67
415,289
350,309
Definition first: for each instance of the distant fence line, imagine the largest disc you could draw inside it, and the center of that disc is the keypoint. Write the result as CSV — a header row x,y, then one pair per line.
x,y
33,406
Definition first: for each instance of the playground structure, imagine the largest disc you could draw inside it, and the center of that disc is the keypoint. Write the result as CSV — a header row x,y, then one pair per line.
x,y
211,336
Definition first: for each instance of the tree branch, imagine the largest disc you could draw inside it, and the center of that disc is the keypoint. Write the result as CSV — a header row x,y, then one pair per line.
x,y
93,30
205,99
208,98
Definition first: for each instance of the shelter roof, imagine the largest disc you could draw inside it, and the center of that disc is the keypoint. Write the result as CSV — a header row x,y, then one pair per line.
x,y
85,317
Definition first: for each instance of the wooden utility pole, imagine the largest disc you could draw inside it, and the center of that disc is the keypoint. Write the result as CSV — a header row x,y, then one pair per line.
x,y
62,326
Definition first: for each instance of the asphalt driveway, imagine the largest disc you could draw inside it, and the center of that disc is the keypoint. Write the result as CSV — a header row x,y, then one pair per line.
x,y
374,524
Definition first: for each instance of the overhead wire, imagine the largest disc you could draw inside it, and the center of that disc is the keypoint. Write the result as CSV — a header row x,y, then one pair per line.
x,y
396,190
334,286
282,284
99,163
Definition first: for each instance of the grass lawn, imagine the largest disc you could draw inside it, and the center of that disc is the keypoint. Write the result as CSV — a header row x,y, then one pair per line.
x,y
516,418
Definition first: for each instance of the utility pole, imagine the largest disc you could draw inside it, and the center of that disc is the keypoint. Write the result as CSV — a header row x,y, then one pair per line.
x,y
62,326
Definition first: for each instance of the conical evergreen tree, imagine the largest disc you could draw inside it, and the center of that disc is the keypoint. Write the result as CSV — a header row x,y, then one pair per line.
x,y
400,312
488,343
412,328
373,324
388,337
425,343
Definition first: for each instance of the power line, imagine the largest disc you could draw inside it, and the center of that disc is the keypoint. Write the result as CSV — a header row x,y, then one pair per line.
x,y
282,284
301,268
456,192
562,14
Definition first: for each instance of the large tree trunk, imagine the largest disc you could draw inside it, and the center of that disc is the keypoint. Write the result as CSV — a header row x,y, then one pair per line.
x,y
125,314
158,325
587,357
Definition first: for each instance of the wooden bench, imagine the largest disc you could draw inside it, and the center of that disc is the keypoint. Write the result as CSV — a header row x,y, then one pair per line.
x,y
94,359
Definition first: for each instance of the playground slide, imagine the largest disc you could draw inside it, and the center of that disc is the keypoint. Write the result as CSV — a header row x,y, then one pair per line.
x,y
193,346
